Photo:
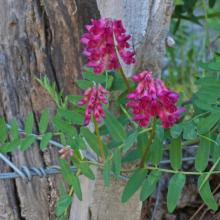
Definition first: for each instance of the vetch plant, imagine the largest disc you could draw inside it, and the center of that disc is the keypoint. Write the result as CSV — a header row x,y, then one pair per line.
x,y
120,120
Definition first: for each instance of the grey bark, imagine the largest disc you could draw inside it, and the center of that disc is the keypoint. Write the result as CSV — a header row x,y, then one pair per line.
x,y
36,38
148,23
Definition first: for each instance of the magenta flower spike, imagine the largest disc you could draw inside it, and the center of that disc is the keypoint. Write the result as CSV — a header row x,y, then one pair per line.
x,y
152,98
101,47
94,97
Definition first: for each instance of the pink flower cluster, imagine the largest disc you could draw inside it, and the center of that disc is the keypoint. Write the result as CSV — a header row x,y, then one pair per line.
x,y
100,45
152,98
94,97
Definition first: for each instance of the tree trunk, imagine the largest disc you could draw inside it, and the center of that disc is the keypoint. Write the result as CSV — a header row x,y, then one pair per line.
x,y
148,23
36,38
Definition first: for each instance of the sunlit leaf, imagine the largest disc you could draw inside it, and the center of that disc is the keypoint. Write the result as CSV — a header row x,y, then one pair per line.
x,y
45,140
28,126
27,142
43,124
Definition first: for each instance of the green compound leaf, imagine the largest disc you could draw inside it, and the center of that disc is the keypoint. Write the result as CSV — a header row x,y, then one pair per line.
x,y
209,173
132,155
107,172
14,130
206,194
175,151
176,130
65,169
202,155
27,142
70,178
45,140
130,140
74,99
9,147
206,124
141,141
116,162
149,184
86,170
206,98
65,127
189,131
91,139
109,82
178,2
72,116
28,125
216,152
84,84
81,143
175,188
89,75
76,186
62,204
134,183
3,130
115,127
44,120
211,66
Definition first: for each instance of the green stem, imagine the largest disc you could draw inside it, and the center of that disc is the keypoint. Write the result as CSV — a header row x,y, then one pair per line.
x,y
159,169
180,171
125,79
149,143
71,192
100,143
120,69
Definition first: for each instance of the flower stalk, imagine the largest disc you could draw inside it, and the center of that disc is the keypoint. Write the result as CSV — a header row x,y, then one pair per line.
x,y
125,79
100,143
149,143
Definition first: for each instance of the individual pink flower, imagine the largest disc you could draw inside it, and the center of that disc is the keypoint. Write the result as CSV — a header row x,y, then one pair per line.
x,y
103,37
152,98
66,152
94,97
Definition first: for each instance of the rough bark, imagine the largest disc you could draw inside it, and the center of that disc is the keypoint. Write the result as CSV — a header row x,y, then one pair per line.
x,y
148,23
36,38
